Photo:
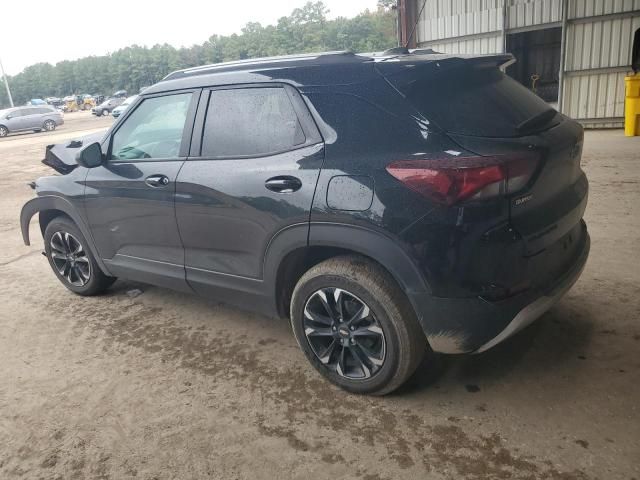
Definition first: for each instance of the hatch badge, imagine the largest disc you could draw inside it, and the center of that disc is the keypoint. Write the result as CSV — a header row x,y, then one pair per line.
x,y
522,200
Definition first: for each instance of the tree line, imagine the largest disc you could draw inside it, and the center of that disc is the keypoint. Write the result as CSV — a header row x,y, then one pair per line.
x,y
307,29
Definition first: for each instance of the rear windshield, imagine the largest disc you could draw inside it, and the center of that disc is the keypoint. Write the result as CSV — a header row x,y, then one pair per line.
x,y
475,100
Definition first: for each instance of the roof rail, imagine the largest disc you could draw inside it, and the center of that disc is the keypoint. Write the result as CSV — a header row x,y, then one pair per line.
x,y
254,61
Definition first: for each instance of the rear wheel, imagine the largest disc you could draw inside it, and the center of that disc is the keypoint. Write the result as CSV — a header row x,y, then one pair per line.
x,y
49,125
4,131
71,260
355,325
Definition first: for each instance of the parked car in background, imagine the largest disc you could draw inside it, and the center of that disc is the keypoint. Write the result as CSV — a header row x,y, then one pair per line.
x,y
19,119
55,102
36,102
388,206
120,94
106,107
116,112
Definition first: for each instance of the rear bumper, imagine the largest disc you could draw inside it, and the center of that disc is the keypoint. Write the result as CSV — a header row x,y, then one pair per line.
x,y
473,325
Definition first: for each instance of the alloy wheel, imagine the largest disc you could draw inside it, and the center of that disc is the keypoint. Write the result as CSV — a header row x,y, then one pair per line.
x,y
3,131
344,334
49,126
70,259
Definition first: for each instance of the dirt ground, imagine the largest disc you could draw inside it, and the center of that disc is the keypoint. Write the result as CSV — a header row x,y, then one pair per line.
x,y
171,386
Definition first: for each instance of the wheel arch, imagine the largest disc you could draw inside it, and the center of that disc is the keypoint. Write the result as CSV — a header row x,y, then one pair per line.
x,y
50,207
292,253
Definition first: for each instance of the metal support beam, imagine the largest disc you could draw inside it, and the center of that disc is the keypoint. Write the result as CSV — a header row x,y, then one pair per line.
x,y
563,54
504,26
407,23
6,84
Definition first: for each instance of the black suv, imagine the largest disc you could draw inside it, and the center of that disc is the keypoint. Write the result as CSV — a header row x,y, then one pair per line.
x,y
388,205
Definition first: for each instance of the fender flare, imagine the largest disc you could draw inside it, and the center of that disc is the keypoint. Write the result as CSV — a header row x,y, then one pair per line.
x,y
53,202
376,245
364,241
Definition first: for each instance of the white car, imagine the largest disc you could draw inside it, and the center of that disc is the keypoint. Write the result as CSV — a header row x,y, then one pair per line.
x,y
116,112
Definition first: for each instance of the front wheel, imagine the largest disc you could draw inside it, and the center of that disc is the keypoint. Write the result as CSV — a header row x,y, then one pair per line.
x,y
3,131
49,125
356,326
71,260
105,113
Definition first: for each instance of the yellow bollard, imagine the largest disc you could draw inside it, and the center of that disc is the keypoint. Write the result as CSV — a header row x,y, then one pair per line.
x,y
632,105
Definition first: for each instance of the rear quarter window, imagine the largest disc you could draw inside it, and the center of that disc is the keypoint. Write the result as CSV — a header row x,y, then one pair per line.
x,y
475,100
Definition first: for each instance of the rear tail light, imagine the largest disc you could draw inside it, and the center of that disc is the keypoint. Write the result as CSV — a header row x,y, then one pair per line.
x,y
453,180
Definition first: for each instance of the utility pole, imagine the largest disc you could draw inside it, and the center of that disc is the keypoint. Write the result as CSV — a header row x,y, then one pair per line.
x,y
6,83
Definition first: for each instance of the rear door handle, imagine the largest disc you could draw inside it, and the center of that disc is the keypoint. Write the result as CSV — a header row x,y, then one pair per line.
x,y
283,184
157,181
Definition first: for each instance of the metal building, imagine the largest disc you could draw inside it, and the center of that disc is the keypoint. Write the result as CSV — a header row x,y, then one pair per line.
x,y
573,53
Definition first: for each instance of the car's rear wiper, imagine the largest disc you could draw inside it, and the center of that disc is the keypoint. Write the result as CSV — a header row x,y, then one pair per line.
x,y
538,120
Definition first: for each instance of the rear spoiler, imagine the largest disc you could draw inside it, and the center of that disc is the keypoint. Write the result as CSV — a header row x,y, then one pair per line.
x,y
402,70
391,64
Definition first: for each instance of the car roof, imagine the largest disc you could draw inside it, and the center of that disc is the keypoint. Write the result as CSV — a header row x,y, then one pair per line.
x,y
12,109
310,69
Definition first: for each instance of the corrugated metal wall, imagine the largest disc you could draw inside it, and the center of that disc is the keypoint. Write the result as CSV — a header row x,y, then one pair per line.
x,y
598,54
488,44
461,26
525,13
598,41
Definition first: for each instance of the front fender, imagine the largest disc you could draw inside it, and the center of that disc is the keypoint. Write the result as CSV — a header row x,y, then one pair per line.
x,y
53,202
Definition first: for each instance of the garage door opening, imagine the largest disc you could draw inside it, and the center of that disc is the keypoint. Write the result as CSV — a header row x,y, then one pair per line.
x,y
538,61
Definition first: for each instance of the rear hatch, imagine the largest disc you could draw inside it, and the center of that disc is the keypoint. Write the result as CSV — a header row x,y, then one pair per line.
x,y
487,113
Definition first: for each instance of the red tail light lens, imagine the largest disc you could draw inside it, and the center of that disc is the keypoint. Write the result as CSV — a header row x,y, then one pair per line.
x,y
453,180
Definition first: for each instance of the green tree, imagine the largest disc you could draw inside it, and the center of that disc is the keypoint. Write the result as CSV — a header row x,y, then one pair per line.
x,y
307,29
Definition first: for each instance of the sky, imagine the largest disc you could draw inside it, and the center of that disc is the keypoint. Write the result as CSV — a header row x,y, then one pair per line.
x,y
45,31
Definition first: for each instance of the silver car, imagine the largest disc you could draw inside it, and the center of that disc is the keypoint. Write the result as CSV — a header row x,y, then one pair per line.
x,y
19,119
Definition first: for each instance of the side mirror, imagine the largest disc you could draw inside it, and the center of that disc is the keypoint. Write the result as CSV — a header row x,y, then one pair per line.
x,y
9,117
90,156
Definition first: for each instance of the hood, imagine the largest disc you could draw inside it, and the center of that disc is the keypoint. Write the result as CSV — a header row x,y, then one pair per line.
x,y
62,156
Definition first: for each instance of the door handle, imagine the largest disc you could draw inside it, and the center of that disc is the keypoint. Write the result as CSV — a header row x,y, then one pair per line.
x,y
283,184
157,181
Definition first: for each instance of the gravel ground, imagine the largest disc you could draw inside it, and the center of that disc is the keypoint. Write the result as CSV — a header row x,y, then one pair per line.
x,y
165,385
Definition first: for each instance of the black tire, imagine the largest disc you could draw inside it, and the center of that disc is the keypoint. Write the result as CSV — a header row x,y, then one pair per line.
x,y
357,280
4,131
105,112
84,277
49,126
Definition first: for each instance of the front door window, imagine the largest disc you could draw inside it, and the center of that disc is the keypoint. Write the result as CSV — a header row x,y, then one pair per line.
x,y
153,130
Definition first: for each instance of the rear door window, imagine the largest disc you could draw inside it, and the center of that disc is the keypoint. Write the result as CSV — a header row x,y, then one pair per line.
x,y
249,122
